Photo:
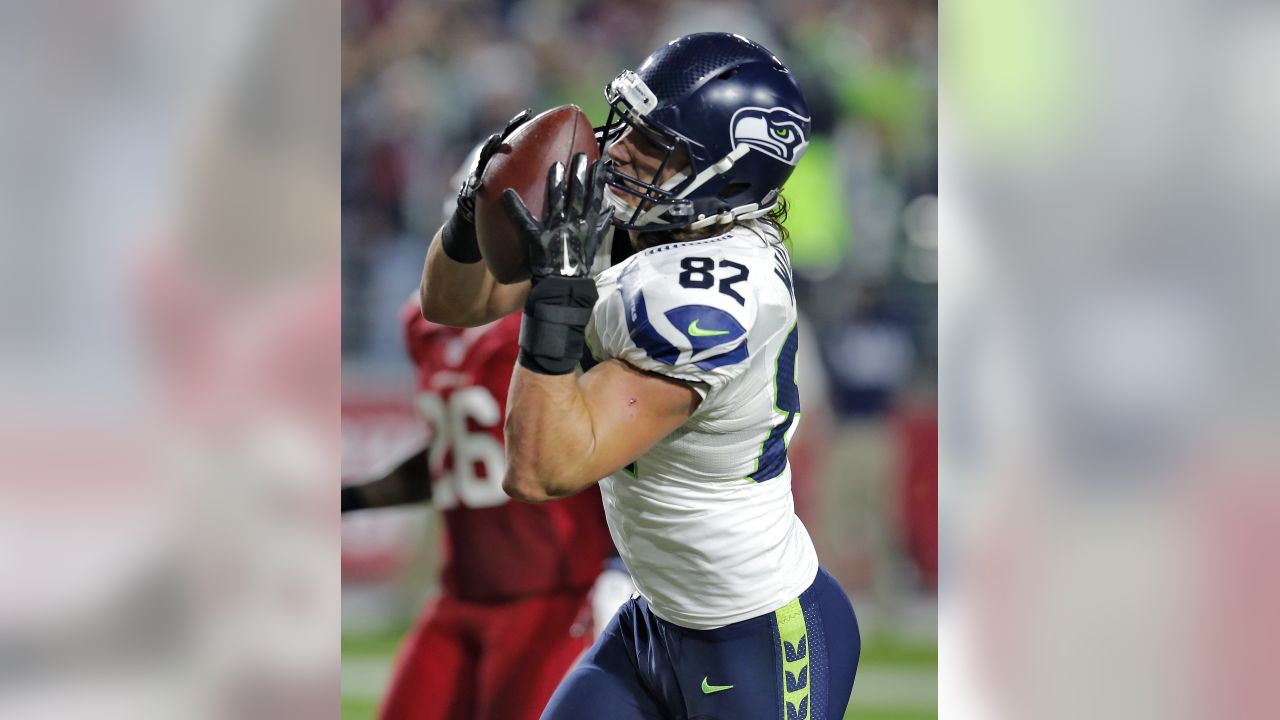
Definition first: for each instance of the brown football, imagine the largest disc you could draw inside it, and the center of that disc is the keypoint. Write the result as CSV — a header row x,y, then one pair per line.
x,y
521,163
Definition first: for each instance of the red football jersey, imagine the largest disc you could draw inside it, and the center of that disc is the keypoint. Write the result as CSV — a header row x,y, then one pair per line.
x,y
495,548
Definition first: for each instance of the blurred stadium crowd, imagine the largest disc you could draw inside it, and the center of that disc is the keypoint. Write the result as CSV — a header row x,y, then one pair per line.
x,y
422,82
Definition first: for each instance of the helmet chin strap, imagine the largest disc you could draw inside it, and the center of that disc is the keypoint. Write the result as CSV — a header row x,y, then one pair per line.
x,y
654,212
742,212
624,211
723,165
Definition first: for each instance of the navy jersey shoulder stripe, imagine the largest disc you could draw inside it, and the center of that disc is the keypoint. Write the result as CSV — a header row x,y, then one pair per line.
x,y
782,268
705,328
773,452
643,333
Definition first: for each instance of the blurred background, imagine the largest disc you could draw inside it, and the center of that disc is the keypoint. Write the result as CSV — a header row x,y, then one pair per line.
x,y
422,82
169,359
1109,497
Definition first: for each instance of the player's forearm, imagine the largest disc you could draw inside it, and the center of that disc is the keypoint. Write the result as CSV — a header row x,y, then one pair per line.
x,y
454,293
409,482
550,438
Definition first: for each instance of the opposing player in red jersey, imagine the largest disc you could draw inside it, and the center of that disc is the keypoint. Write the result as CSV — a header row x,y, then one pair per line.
x,y
514,611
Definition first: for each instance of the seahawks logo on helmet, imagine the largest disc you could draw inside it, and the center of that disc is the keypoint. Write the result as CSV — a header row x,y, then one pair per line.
x,y
777,132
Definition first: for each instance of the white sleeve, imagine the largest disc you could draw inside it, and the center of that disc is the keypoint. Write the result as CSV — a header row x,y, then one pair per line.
x,y
674,325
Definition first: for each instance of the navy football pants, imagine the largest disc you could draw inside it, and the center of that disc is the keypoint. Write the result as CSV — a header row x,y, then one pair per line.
x,y
796,663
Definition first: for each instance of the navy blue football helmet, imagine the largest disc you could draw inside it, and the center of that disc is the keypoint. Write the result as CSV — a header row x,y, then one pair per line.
x,y
732,107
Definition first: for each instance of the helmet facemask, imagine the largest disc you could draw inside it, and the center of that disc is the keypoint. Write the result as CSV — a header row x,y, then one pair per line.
x,y
660,206
735,168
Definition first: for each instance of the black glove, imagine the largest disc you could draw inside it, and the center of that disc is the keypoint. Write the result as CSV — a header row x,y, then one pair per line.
x,y
577,219
561,250
459,233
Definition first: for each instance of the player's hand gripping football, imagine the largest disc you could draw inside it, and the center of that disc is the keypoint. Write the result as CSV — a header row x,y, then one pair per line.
x,y
458,236
564,244
467,193
562,248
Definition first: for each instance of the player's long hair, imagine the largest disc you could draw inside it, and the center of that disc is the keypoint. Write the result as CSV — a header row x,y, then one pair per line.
x,y
775,220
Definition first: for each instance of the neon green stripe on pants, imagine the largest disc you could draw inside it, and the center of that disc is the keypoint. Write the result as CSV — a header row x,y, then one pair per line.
x,y
795,660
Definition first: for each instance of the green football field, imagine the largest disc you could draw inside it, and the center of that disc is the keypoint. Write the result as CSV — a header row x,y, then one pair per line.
x,y
897,680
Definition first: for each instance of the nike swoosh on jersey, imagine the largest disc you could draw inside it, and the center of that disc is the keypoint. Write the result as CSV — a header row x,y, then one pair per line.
x,y
708,688
695,331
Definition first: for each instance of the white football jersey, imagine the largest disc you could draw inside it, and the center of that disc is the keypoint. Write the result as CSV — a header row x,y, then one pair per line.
x,y
705,519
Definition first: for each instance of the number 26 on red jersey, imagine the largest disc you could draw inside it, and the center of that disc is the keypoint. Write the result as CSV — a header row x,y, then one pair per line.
x,y
461,485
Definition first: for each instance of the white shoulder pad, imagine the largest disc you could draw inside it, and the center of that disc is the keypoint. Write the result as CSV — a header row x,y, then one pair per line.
x,y
687,310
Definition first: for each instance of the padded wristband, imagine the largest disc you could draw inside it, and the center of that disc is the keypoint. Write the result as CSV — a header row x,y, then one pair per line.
x,y
459,240
555,319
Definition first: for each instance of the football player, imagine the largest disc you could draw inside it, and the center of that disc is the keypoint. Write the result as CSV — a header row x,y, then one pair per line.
x,y
523,591
692,398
